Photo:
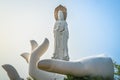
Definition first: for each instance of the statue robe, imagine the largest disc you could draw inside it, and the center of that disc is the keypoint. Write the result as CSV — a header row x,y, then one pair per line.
x,y
61,36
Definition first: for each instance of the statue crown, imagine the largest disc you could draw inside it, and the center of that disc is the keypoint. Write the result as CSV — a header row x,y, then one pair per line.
x,y
63,9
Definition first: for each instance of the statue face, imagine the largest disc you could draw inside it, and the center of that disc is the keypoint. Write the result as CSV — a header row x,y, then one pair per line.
x,y
60,15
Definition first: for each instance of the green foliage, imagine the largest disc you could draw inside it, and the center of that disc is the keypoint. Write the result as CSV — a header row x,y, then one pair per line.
x,y
29,78
117,71
70,77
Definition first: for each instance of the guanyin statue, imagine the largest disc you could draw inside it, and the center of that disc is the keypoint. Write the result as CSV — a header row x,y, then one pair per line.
x,y
61,34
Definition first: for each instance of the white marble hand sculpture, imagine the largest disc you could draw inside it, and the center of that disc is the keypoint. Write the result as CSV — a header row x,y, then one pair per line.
x,y
33,58
12,72
90,66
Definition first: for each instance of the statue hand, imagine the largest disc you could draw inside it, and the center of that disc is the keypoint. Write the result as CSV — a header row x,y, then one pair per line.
x,y
87,66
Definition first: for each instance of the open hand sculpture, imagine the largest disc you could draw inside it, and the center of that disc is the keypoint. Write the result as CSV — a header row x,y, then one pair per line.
x,y
32,59
90,66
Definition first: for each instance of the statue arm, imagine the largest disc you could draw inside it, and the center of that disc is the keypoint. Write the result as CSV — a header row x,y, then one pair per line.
x,y
55,26
63,27
67,31
61,30
60,26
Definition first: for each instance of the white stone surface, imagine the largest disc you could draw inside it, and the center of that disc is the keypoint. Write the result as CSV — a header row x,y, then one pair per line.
x,y
12,72
90,66
61,35
33,58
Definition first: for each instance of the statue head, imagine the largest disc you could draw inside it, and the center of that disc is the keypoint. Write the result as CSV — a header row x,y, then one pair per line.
x,y
60,15
60,10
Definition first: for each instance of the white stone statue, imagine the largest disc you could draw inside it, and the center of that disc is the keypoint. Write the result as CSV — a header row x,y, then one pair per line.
x,y
61,36
47,69
12,72
32,59
90,66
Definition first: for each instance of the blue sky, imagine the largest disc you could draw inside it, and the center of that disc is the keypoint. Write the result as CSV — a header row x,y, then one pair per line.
x,y
94,27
